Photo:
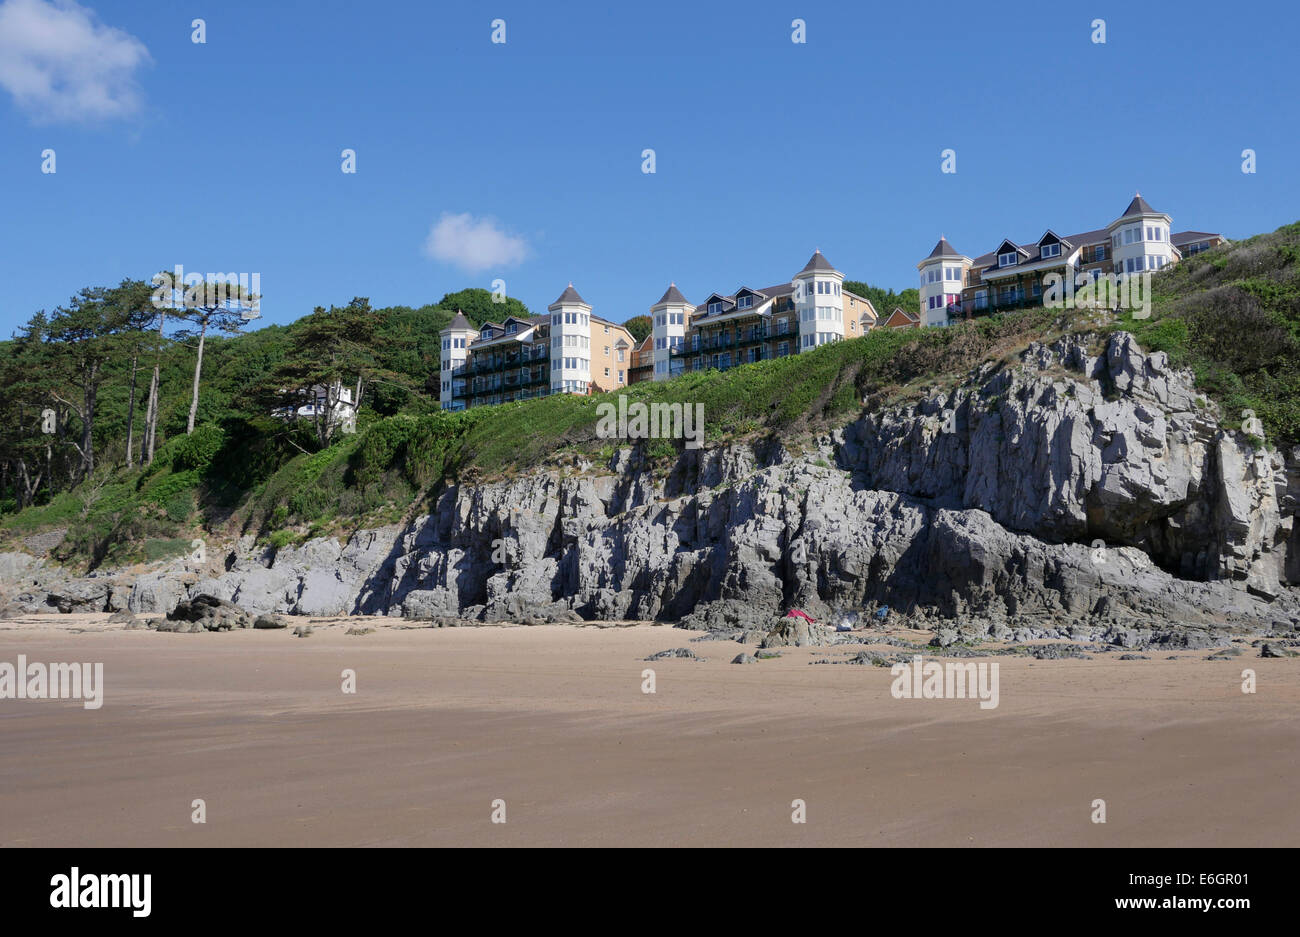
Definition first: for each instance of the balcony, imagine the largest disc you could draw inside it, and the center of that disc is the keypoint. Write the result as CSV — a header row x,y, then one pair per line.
x,y
713,343
754,335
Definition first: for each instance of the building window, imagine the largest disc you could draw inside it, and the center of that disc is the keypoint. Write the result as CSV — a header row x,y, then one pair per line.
x,y
745,302
1007,259
1051,250
714,308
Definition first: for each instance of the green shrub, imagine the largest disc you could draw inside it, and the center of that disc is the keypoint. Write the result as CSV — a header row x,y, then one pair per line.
x,y
197,450
379,448
309,503
179,507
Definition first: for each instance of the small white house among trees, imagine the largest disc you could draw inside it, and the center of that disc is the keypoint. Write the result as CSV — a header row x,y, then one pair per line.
x,y
330,408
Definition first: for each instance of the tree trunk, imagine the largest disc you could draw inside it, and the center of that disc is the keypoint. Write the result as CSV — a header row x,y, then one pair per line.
x,y
198,370
88,422
151,418
130,413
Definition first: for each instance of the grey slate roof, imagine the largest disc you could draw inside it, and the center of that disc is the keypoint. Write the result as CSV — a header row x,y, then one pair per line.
x,y
673,295
1137,207
570,295
943,249
458,321
729,301
817,262
1190,237
1097,236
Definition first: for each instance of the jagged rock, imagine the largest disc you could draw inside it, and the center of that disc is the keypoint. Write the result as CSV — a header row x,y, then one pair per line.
x,y
430,604
79,595
1225,653
180,626
158,591
743,659
1275,650
944,637
1056,652
270,622
992,523
209,614
682,652
16,566
121,618
796,632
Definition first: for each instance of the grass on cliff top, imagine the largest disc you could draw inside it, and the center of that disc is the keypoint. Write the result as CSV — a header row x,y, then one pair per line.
x,y
790,396
1232,315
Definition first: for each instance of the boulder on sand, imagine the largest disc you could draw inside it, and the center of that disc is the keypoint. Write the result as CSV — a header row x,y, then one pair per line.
x,y
796,632
209,614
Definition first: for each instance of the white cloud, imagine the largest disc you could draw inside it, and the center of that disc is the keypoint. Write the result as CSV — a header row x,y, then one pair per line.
x,y
472,244
62,64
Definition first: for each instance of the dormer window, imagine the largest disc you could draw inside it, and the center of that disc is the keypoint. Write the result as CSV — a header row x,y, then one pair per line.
x,y
715,308
744,302
511,328
1007,259
487,333
1051,250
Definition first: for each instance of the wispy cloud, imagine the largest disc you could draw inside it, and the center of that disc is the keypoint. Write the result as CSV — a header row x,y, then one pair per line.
x,y
474,244
61,64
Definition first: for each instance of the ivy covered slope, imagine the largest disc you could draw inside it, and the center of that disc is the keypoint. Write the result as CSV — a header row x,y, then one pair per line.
x,y
1231,314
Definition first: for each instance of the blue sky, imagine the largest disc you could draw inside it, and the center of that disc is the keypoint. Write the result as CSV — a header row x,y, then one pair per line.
x,y
226,156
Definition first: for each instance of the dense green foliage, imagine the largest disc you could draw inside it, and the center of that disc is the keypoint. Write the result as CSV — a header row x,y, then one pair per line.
x,y
639,327
1232,314
885,300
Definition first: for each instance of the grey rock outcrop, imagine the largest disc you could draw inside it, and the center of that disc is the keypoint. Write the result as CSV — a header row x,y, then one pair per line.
x,y
795,632
990,518
208,613
320,578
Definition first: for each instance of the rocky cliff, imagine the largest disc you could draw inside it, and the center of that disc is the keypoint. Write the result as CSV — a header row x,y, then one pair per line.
x,y
1084,482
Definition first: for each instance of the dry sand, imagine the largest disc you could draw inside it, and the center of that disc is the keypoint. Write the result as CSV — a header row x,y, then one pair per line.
x,y
552,720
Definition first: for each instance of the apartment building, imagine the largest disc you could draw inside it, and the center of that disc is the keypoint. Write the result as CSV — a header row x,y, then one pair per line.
x,y
955,286
643,361
567,351
749,325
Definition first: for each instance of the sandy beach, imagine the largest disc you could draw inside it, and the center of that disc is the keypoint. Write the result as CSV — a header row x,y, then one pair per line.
x,y
552,720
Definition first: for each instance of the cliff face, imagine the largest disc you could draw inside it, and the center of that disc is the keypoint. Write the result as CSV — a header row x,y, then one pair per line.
x,y
982,503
